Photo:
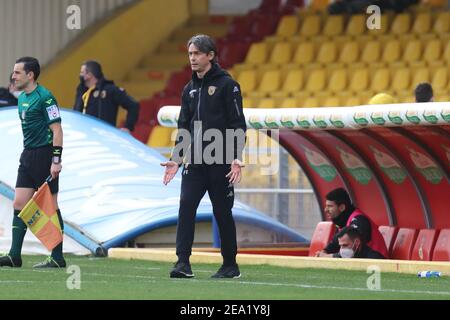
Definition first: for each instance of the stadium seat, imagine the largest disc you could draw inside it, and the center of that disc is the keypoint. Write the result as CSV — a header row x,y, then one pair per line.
x,y
391,52
371,52
316,81
422,23
404,244
433,51
287,28
289,103
247,80
348,55
440,80
311,102
338,81
334,26
423,249
270,82
357,25
442,248
331,102
310,27
160,137
401,24
257,54
360,80
446,55
304,54
322,235
384,27
381,80
442,23
281,53
401,80
389,234
420,75
266,103
412,52
327,53
293,83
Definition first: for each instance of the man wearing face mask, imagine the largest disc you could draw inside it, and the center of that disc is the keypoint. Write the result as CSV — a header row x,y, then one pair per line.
x,y
101,98
8,96
352,245
342,212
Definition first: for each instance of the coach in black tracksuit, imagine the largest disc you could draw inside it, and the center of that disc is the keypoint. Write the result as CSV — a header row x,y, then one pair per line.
x,y
101,98
213,100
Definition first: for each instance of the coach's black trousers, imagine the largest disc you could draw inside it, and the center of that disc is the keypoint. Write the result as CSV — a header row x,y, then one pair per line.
x,y
196,180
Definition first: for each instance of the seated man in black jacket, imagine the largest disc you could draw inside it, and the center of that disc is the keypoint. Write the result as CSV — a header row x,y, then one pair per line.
x,y
101,98
352,245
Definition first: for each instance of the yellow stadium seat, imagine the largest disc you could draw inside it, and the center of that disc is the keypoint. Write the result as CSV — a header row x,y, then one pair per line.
x,y
446,55
408,99
311,102
257,54
371,52
352,101
304,54
442,23
281,53
360,80
292,84
401,80
412,52
249,102
320,4
349,53
290,103
247,80
440,80
420,75
422,23
381,80
316,81
334,26
266,103
310,27
331,102
433,50
287,27
338,81
160,137
442,98
391,52
327,53
401,24
270,82
357,25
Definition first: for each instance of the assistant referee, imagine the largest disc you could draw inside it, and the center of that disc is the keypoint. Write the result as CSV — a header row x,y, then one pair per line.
x,y
41,157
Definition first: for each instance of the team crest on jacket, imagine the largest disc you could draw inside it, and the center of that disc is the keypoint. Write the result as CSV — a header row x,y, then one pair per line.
x,y
211,90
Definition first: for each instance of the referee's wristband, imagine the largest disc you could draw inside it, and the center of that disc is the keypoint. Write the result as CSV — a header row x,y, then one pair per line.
x,y
56,154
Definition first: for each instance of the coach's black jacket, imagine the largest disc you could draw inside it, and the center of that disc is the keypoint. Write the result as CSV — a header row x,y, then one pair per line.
x,y
104,102
216,101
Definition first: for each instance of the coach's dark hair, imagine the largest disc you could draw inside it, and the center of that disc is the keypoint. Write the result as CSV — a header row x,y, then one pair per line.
x,y
204,44
30,64
423,92
95,68
340,196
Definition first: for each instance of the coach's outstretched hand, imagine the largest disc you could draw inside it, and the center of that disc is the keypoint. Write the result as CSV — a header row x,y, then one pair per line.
x,y
171,171
234,175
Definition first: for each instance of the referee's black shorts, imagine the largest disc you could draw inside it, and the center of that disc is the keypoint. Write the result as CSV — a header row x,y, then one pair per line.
x,y
34,168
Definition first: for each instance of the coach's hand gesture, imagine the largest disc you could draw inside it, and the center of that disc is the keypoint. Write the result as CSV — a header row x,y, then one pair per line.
x,y
171,171
234,175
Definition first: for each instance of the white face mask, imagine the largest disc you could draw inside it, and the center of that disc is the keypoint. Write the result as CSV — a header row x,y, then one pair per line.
x,y
346,253
17,94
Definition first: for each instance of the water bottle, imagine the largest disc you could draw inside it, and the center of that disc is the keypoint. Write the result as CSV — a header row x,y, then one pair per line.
x,y
429,274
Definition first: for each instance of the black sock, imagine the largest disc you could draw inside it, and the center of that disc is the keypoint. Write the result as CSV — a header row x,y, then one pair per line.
x,y
57,252
19,228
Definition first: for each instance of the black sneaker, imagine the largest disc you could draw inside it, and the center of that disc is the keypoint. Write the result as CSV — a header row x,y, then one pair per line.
x,y
181,270
50,263
8,261
228,272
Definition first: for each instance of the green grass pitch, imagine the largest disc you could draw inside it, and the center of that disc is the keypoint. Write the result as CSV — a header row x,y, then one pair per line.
x,y
104,278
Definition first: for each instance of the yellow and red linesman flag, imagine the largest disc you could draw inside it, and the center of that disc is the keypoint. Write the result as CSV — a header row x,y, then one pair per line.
x,y
41,218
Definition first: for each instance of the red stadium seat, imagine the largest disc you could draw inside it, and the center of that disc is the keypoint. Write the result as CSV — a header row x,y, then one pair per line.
x,y
404,244
442,248
389,234
423,249
322,236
